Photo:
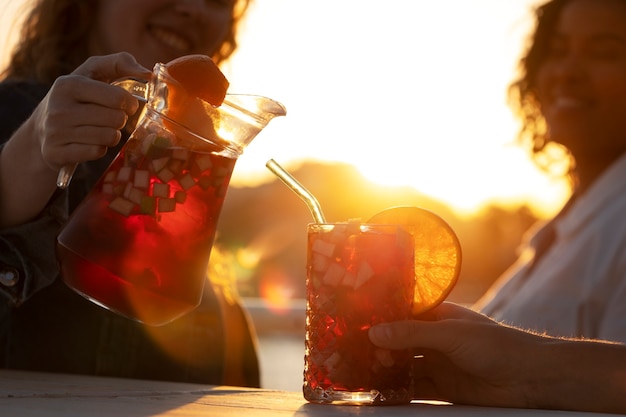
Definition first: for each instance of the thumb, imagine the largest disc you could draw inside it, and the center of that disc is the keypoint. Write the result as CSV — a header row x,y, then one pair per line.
x,y
109,68
442,335
397,335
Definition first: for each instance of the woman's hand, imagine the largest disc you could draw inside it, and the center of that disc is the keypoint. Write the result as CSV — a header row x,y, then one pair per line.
x,y
82,114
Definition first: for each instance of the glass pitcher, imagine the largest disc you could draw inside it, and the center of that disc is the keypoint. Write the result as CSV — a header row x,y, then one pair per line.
x,y
139,243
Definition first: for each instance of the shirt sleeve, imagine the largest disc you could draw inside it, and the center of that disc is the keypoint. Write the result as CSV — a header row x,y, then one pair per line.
x,y
612,324
27,251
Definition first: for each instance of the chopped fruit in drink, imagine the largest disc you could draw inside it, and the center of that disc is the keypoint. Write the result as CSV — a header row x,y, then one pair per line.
x,y
159,163
180,154
200,164
107,188
205,182
165,224
176,166
127,188
136,195
124,174
319,262
357,276
122,206
166,205
334,274
187,181
118,189
110,176
220,172
157,148
349,280
221,189
161,190
166,175
142,178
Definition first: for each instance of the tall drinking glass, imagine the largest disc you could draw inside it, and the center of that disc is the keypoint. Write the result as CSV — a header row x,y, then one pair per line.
x,y
358,275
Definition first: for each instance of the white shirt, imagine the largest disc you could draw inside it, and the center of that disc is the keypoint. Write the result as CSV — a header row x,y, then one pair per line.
x,y
578,287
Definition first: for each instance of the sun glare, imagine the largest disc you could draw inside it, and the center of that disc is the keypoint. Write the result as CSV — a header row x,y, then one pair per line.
x,y
415,103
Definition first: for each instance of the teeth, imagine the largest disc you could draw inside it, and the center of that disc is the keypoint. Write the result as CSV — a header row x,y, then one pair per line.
x,y
170,39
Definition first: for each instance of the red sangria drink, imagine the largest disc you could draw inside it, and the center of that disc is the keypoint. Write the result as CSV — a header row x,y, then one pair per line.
x,y
140,241
358,275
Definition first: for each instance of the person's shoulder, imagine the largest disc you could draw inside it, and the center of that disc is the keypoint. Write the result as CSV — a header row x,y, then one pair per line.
x,y
18,100
22,90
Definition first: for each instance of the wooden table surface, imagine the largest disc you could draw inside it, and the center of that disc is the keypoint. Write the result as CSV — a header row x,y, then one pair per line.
x,y
27,394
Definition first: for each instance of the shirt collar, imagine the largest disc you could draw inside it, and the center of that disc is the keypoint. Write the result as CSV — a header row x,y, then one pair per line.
x,y
610,184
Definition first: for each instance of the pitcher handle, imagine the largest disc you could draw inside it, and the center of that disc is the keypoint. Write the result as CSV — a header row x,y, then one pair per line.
x,y
139,89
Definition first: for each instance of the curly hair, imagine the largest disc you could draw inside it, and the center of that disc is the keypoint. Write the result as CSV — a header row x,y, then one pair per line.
x,y
52,38
523,97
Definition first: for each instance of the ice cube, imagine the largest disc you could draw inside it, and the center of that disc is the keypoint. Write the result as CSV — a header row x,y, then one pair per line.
x,y
332,361
349,280
323,247
334,274
319,262
363,274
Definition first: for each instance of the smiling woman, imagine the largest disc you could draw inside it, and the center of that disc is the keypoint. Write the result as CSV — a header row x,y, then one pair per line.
x,y
58,107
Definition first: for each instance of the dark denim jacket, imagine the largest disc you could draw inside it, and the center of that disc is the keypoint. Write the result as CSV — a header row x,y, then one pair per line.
x,y
45,326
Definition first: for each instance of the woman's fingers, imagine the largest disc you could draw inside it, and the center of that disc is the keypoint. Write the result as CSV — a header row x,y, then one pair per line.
x,y
112,67
82,114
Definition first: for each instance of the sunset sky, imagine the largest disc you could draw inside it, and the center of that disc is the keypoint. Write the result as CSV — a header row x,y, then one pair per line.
x,y
411,92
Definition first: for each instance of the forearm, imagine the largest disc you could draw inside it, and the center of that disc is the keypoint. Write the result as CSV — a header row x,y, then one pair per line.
x,y
26,182
579,375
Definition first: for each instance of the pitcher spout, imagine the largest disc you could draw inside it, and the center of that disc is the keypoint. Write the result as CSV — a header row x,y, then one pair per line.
x,y
243,116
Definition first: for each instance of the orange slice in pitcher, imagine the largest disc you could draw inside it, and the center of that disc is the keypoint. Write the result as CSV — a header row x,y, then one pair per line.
x,y
437,253
204,87
200,76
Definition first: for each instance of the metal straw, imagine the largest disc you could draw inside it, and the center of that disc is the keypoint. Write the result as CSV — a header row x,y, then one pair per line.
x,y
296,187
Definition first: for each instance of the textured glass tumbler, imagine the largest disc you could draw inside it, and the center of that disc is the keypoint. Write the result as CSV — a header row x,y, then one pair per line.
x,y
358,275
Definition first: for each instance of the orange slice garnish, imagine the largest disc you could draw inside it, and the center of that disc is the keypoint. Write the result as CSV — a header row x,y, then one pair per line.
x,y
437,253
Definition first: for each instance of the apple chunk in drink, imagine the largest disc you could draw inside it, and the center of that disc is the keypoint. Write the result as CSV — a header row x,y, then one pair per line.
x,y
358,275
